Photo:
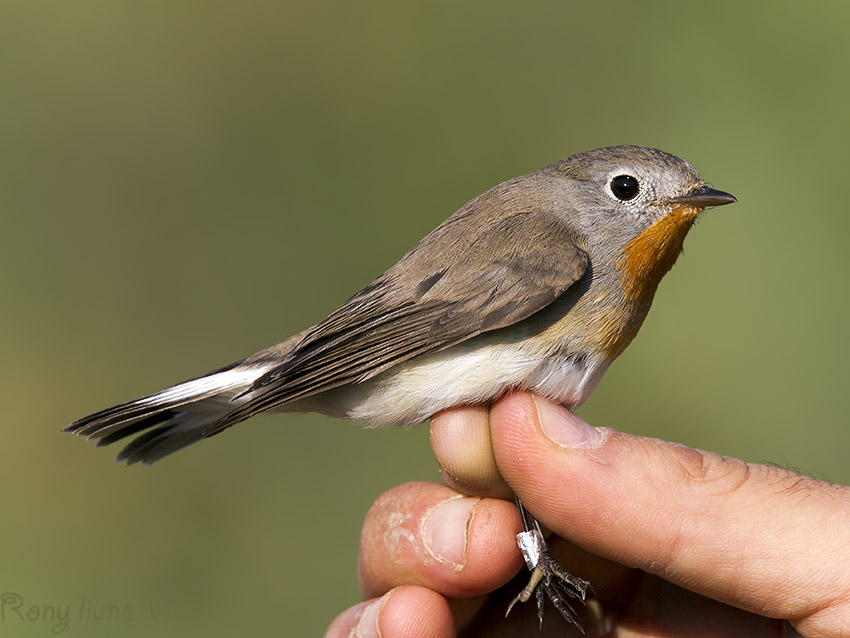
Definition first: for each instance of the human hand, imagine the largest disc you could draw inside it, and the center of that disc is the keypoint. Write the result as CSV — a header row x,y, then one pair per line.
x,y
676,542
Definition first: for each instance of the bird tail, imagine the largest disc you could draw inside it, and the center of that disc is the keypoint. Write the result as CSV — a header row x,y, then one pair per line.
x,y
175,417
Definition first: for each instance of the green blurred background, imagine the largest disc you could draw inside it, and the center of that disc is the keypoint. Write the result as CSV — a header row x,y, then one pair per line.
x,y
185,182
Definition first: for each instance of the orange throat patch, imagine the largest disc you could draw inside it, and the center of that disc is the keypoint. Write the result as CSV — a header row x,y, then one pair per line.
x,y
649,256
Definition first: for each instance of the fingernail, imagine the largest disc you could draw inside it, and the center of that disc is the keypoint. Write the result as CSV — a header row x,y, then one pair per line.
x,y
564,428
445,530
367,625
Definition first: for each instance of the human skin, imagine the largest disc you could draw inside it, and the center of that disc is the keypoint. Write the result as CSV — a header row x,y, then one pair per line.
x,y
676,541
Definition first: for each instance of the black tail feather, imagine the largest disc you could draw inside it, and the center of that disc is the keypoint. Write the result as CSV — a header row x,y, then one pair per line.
x,y
172,431
122,431
171,419
181,430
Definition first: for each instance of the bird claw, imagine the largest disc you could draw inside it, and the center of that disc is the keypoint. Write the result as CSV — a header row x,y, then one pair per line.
x,y
548,578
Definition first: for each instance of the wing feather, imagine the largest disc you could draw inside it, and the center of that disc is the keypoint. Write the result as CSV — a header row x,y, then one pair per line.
x,y
430,300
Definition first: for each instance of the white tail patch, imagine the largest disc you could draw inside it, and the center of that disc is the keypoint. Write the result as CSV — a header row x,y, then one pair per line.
x,y
172,418
225,384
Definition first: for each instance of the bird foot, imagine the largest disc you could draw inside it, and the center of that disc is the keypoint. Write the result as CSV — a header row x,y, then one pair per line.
x,y
548,579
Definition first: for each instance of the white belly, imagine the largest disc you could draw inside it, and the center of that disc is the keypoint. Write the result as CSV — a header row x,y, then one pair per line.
x,y
461,375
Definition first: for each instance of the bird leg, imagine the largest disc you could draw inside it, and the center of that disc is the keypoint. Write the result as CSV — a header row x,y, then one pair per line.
x,y
547,576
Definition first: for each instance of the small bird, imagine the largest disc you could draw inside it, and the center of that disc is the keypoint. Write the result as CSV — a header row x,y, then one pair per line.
x,y
537,284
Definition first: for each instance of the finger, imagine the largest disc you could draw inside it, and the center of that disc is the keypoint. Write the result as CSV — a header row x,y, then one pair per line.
x,y
427,534
756,537
460,438
404,612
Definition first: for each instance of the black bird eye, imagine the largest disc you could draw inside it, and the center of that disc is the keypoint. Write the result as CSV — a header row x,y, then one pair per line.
x,y
624,187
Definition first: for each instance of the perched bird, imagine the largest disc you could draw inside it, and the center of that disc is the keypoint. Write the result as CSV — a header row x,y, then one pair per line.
x,y
537,284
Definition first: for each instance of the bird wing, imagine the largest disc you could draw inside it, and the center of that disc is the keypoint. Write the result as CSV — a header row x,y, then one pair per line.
x,y
484,279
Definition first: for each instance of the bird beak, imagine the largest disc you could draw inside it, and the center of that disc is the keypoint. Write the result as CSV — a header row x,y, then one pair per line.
x,y
705,196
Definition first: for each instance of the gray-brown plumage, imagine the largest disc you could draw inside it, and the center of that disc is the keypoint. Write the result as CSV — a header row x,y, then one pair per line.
x,y
530,285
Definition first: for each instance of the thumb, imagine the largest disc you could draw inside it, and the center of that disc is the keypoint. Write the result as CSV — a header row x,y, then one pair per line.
x,y
736,532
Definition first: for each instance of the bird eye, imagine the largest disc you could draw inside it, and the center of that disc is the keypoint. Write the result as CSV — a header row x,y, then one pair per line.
x,y
624,187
